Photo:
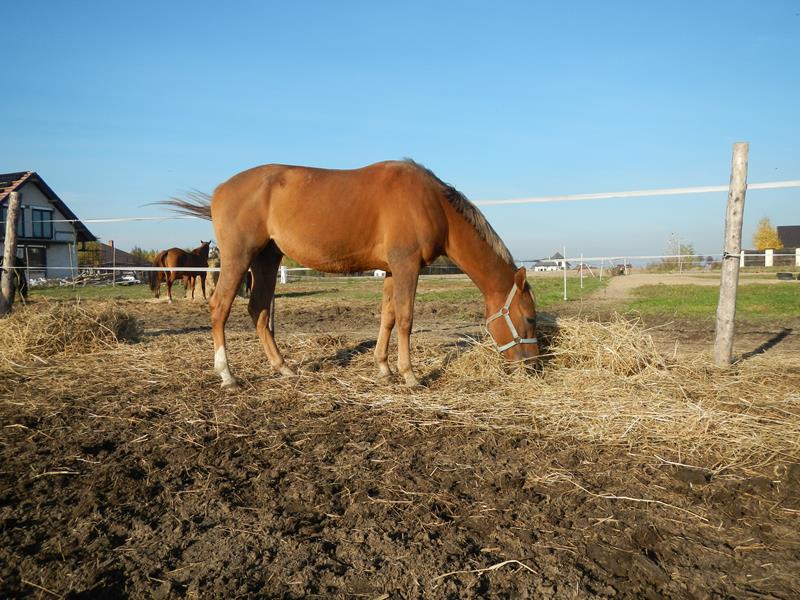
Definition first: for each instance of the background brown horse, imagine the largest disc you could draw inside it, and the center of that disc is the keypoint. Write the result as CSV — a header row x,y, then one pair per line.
x,y
19,278
396,216
179,258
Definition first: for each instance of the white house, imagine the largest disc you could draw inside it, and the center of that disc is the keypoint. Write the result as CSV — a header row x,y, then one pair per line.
x,y
554,263
46,246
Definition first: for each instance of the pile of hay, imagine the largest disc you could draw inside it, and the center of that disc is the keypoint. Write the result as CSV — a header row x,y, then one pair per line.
x,y
607,384
65,328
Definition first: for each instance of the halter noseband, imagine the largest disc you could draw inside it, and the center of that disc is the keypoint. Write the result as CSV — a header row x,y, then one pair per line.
x,y
504,313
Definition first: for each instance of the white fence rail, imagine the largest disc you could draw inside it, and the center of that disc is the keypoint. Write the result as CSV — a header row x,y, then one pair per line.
x,y
609,260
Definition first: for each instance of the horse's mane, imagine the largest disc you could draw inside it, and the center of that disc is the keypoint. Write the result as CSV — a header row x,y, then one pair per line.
x,y
471,214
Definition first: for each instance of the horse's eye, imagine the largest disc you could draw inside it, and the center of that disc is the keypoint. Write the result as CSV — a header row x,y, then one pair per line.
x,y
530,320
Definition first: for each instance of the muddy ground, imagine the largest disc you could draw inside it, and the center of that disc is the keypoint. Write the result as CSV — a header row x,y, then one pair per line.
x,y
179,490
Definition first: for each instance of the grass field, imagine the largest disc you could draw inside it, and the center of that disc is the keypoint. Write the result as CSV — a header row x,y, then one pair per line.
x,y
753,300
758,301
548,290
94,292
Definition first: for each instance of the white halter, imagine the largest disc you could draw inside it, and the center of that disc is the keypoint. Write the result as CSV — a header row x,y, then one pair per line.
x,y
503,312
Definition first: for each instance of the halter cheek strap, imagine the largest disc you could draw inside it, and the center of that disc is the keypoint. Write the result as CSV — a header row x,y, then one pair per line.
x,y
504,313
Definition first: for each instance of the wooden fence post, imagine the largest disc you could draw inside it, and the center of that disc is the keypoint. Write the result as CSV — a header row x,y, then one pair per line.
x,y
7,289
729,281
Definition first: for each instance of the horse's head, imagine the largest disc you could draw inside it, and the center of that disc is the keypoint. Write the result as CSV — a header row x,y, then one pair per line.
x,y
513,327
203,249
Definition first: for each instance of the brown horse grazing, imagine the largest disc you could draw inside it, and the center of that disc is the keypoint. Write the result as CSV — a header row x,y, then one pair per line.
x,y
396,216
178,258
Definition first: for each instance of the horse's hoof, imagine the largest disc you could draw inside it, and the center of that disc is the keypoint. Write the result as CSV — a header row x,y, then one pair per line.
x,y
411,381
287,371
231,386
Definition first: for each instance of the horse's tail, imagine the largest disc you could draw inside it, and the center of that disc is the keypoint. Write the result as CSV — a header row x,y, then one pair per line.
x,y
194,204
155,276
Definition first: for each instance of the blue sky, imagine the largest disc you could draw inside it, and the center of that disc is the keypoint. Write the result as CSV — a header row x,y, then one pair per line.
x,y
118,105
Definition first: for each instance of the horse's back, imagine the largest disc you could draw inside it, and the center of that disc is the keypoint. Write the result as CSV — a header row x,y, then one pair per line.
x,y
335,220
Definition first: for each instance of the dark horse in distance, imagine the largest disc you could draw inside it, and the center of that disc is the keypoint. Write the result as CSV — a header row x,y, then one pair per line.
x,y
396,216
179,258
19,279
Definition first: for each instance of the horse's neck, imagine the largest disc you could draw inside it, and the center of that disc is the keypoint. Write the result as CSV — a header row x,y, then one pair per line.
x,y
491,274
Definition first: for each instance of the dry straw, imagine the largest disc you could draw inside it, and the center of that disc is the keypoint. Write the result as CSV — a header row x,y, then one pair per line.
x,y
607,383
61,328
603,383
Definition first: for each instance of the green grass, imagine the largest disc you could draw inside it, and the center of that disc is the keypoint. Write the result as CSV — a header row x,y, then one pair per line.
x,y
767,301
549,290
97,292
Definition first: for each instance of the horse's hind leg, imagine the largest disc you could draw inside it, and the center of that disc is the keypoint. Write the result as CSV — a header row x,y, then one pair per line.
x,y
170,281
265,269
203,285
233,265
385,331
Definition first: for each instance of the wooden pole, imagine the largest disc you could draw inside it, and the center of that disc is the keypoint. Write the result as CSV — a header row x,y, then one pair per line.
x,y
565,271
7,290
729,281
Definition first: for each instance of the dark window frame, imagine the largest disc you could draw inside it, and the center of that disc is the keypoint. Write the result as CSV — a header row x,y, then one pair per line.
x,y
44,225
20,221
32,251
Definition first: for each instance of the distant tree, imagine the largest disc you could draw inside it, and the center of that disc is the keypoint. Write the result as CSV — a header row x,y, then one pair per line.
x,y
682,256
766,236
89,254
145,255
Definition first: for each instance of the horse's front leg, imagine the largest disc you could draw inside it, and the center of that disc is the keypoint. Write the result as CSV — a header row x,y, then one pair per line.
x,y
404,292
385,331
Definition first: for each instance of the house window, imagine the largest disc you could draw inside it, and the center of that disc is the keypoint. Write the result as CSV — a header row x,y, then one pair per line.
x,y
42,223
35,258
20,222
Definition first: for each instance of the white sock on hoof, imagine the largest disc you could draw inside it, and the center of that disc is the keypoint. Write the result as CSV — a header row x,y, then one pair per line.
x,y
221,367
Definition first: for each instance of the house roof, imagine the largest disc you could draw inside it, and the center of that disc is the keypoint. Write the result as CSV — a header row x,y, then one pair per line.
x,y
122,259
555,259
11,182
789,235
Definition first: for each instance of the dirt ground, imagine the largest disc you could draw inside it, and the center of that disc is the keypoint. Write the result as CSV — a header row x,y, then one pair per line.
x,y
178,490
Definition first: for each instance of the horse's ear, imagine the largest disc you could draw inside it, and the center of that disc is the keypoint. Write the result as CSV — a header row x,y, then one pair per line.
x,y
520,277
